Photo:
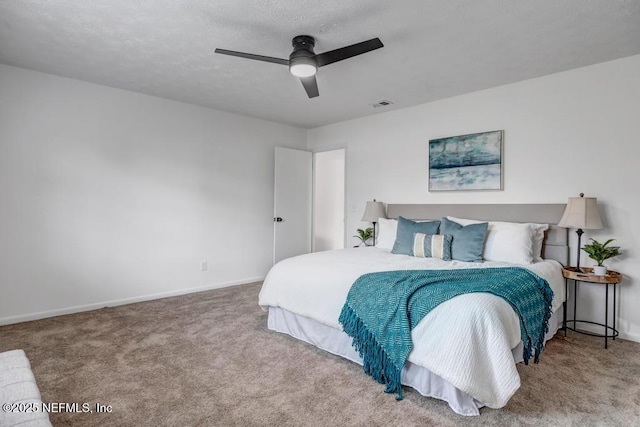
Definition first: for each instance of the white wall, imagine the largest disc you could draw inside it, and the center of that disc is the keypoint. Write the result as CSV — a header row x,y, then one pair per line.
x,y
108,195
328,200
572,132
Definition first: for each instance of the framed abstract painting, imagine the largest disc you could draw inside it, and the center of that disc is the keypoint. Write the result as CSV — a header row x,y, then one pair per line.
x,y
466,162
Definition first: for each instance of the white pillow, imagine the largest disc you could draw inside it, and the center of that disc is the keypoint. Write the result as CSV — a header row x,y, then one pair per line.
x,y
386,236
512,242
538,238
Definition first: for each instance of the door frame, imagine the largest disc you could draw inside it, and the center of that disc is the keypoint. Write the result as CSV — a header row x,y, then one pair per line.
x,y
344,147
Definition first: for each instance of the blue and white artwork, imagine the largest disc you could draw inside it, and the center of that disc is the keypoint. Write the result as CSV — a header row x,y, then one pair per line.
x,y
466,162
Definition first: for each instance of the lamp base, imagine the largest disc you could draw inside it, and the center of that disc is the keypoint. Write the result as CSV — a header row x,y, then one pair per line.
x,y
374,233
579,232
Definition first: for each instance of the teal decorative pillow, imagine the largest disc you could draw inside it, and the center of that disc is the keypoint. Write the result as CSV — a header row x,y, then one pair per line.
x,y
406,229
432,246
467,241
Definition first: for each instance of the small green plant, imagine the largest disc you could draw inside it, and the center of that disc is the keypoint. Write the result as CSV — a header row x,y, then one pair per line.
x,y
364,235
600,251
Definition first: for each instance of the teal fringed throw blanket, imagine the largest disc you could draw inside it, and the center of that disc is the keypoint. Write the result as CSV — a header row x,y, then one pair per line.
x,y
382,309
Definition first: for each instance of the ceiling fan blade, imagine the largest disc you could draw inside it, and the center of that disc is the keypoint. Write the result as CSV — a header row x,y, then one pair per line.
x,y
252,56
346,52
310,85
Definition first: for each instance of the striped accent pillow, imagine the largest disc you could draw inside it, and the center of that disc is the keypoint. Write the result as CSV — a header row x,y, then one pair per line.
x,y
432,246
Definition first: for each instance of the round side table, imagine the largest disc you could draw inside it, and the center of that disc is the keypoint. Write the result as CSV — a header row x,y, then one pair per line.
x,y
585,274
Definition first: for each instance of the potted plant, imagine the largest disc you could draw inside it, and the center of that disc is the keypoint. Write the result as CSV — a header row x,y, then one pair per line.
x,y
364,235
599,252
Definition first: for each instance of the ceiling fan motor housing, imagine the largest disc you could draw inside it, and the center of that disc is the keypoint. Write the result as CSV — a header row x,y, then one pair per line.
x,y
303,52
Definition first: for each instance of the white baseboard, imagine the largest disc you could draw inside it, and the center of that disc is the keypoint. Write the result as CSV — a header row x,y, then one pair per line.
x,y
630,337
113,303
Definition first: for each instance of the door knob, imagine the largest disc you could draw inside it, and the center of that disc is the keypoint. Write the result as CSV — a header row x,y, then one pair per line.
x,y
277,219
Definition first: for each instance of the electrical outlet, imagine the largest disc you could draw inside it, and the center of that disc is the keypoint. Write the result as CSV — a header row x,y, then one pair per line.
x,y
204,266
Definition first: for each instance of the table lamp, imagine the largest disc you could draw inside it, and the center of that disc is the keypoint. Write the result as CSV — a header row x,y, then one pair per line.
x,y
372,212
581,213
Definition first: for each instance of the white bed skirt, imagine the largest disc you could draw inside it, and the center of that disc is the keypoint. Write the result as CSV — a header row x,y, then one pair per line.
x,y
421,379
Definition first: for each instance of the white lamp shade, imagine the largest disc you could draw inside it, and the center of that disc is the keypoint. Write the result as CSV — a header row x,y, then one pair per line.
x,y
374,211
581,212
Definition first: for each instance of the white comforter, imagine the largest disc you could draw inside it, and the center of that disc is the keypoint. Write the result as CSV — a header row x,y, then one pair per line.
x,y
467,340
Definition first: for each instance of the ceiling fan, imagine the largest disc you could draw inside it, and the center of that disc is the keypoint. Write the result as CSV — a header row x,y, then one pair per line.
x,y
304,63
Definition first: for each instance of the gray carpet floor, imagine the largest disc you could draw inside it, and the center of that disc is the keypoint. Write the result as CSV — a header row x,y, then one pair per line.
x,y
207,359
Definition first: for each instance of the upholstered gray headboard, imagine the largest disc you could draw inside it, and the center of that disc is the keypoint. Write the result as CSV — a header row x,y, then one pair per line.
x,y
555,246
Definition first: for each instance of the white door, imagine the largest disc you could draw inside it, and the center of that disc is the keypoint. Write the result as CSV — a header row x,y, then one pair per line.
x,y
328,200
292,204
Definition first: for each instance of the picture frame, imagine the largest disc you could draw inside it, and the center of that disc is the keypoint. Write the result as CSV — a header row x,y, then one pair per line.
x,y
472,162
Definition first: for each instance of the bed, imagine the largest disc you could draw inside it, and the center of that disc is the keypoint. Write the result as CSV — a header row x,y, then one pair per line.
x,y
465,350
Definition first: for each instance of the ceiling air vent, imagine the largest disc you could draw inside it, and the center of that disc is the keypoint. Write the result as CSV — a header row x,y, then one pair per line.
x,y
382,103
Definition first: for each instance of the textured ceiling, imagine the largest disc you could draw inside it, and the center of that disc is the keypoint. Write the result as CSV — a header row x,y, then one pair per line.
x,y
434,49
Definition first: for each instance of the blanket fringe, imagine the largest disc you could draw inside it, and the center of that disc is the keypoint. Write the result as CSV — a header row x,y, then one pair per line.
x,y
376,362
538,345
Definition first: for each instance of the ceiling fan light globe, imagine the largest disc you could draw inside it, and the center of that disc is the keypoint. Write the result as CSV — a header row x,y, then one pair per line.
x,y
303,70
